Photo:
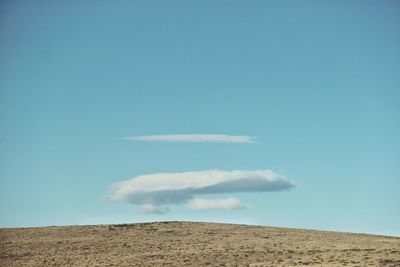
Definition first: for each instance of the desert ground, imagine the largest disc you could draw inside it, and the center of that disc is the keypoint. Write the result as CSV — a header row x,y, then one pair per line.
x,y
192,244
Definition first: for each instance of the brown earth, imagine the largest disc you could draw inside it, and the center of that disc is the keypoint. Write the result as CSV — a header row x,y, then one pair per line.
x,y
192,244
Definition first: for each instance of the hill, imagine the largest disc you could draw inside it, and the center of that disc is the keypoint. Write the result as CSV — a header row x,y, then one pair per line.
x,y
192,244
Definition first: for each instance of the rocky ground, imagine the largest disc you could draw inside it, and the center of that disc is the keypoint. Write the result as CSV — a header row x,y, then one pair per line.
x,y
192,244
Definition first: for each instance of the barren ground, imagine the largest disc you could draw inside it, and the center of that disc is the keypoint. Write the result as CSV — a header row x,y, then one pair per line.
x,y
192,244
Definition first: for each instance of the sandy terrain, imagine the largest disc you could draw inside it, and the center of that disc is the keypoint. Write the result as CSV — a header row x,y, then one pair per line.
x,y
192,244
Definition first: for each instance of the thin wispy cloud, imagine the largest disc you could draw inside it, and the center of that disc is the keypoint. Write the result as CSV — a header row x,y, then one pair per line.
x,y
193,138
161,189
220,204
152,209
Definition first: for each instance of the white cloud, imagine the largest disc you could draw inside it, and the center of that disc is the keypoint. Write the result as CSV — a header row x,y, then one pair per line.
x,y
194,138
222,204
161,189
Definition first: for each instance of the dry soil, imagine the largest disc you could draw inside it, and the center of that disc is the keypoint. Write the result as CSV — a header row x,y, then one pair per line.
x,y
192,244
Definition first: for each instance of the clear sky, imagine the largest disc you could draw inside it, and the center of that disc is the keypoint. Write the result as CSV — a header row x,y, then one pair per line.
x,y
316,84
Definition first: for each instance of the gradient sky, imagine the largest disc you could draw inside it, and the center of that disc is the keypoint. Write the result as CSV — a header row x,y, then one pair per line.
x,y
317,83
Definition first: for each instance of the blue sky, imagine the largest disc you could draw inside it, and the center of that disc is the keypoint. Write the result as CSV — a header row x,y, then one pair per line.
x,y
315,82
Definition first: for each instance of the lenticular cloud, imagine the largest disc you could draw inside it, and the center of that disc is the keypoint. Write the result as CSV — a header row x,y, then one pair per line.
x,y
160,189
193,138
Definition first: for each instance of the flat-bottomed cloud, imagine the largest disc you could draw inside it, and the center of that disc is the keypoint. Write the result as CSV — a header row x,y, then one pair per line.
x,y
161,189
